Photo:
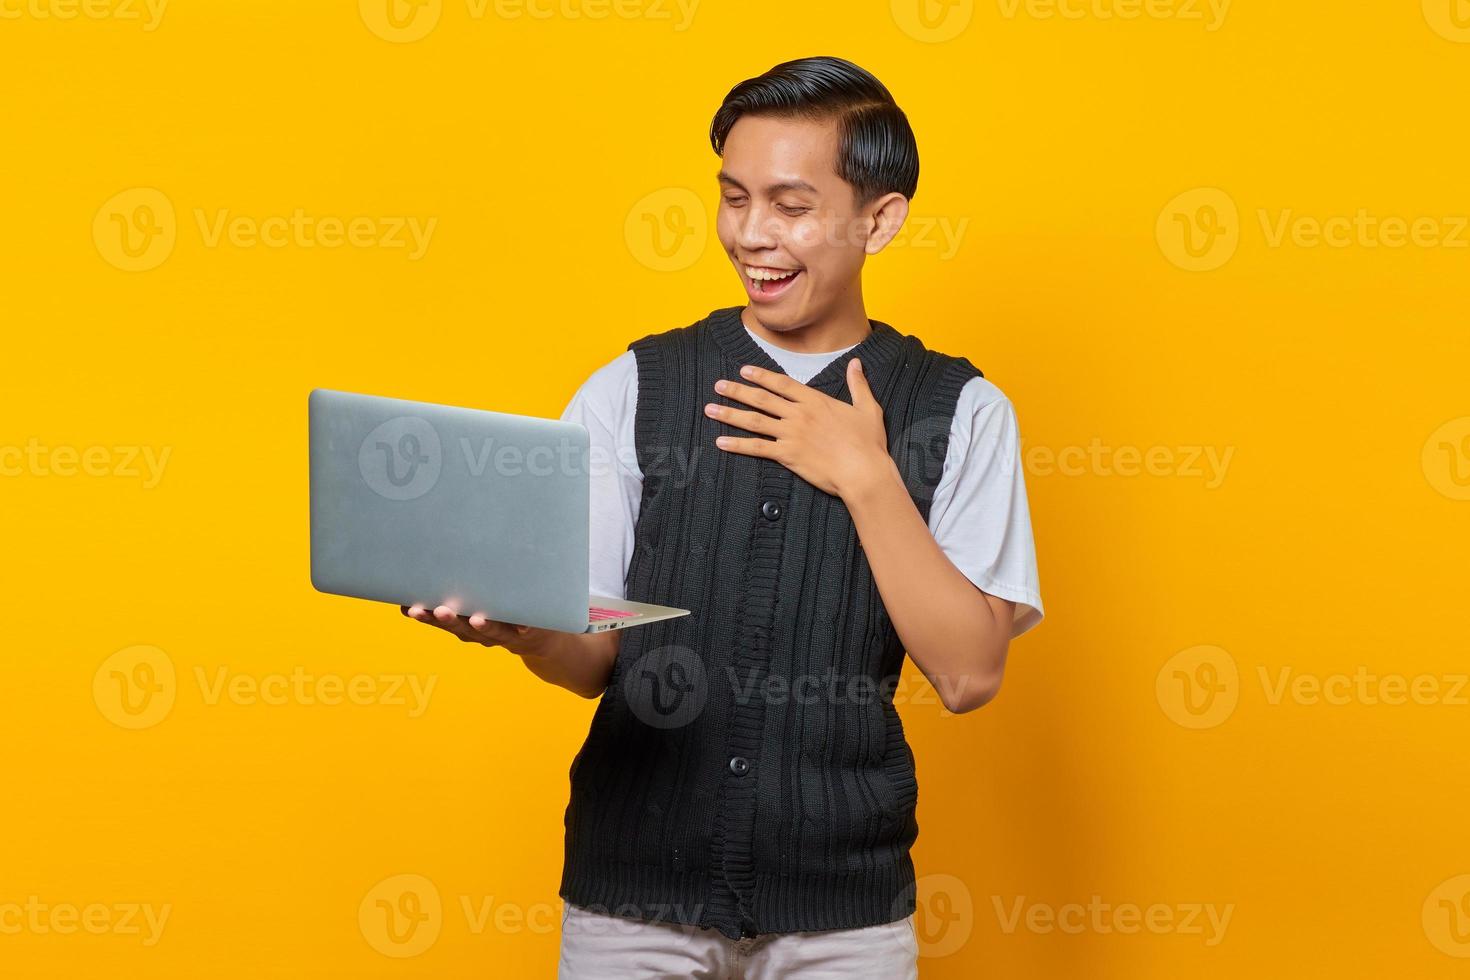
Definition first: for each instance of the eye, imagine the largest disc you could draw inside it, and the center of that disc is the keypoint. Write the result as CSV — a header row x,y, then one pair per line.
x,y
735,200
793,210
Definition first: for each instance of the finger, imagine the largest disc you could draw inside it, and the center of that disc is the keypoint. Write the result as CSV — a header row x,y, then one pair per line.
x,y
756,397
748,447
452,625
451,621
750,421
486,627
782,384
459,626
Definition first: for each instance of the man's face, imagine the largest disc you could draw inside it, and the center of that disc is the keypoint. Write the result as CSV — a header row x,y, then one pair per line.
x,y
789,224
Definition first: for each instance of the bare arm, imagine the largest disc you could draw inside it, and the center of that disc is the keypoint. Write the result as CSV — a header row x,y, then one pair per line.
x,y
580,662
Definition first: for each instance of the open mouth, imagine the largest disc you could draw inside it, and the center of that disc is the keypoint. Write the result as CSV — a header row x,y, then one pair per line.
x,y
764,282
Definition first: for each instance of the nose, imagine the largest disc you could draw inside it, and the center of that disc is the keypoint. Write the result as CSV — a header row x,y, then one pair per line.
x,y
756,230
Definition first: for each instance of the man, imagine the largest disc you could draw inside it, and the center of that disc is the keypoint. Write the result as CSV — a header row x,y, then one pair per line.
x,y
827,496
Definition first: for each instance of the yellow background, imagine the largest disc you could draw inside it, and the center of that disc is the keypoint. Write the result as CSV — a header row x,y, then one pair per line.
x,y
1333,544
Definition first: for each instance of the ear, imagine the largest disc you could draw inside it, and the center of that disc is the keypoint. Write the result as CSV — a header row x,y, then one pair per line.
x,y
888,214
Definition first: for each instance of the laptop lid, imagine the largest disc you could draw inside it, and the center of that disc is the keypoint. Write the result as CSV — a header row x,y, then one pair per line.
x,y
485,512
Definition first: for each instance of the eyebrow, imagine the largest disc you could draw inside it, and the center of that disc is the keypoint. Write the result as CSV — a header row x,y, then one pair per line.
x,y
785,185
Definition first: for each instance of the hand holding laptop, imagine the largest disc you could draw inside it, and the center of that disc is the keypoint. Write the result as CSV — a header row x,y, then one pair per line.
x,y
517,639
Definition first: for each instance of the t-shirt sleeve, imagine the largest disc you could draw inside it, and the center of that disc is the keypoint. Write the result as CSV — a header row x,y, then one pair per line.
x,y
605,404
979,514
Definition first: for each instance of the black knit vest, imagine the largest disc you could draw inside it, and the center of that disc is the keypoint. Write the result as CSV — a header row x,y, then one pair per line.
x,y
746,769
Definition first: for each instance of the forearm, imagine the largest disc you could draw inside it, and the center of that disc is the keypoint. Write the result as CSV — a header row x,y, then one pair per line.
x,y
952,631
580,662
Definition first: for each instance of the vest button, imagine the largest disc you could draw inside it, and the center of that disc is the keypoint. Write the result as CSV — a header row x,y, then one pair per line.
x,y
740,765
771,509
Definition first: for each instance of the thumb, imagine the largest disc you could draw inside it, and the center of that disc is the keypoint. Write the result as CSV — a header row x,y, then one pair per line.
x,y
857,383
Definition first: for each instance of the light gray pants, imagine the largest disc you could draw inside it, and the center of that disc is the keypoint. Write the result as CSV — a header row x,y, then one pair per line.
x,y
604,947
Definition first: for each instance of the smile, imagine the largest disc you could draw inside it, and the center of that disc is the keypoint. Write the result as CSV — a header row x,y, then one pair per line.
x,y
765,283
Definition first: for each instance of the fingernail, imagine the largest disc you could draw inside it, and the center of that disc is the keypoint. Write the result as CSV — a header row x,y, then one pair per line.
x,y
719,386
747,371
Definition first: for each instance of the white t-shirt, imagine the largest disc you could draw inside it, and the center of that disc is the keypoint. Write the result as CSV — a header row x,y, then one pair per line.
x,y
978,514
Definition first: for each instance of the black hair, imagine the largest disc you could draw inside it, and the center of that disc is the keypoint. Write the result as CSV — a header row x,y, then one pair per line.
x,y
876,152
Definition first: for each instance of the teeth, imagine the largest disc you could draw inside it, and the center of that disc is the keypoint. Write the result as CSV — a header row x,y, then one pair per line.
x,y
769,275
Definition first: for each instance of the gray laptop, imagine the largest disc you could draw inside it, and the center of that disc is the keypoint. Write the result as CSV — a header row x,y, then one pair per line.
x,y
483,512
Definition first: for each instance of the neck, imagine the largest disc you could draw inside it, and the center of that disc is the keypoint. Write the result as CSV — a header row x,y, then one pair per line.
x,y
843,328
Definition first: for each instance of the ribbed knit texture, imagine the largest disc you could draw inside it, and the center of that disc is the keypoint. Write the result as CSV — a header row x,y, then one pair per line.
x,y
788,662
